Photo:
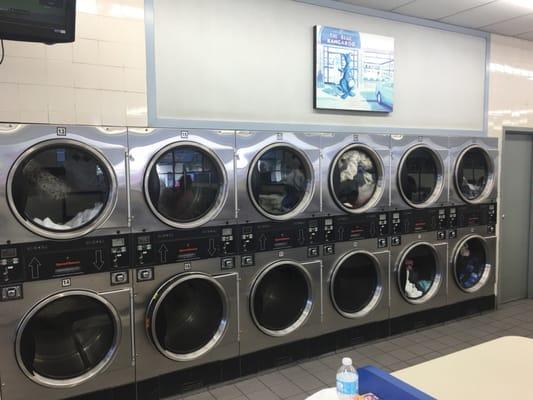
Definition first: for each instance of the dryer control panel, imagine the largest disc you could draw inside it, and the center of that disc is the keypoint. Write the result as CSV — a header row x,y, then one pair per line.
x,y
157,248
55,259
361,226
418,221
475,215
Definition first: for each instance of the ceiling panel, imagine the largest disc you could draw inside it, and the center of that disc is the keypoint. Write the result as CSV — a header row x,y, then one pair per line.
x,y
528,36
378,4
436,9
512,27
488,14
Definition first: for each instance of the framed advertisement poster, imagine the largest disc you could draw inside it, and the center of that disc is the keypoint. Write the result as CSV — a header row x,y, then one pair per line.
x,y
354,71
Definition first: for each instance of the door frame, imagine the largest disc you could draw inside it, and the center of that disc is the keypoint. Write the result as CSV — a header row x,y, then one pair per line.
x,y
501,216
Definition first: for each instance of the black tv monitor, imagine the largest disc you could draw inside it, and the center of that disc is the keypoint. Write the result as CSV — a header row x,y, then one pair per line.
x,y
47,21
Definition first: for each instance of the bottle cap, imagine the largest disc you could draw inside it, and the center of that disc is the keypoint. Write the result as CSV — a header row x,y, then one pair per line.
x,y
346,361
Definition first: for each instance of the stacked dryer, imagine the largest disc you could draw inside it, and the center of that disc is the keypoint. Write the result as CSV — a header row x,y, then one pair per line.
x,y
278,195
64,257
472,235
185,284
419,195
356,196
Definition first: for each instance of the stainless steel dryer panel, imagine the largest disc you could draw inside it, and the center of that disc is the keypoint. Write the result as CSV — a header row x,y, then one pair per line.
x,y
436,296
486,284
147,145
116,369
489,148
402,145
253,337
374,149
19,142
251,146
153,360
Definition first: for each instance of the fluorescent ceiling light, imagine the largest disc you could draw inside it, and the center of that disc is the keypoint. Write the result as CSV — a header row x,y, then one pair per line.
x,y
522,3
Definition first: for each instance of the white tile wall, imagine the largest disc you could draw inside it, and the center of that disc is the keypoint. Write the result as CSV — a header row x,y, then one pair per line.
x,y
99,79
511,84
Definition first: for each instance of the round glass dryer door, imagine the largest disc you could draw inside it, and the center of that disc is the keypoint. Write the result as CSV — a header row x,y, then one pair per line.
x,y
187,316
185,185
473,173
280,182
419,273
281,298
61,189
355,177
420,176
355,284
67,339
471,270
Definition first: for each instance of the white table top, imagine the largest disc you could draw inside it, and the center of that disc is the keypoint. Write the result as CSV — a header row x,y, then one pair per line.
x,y
499,369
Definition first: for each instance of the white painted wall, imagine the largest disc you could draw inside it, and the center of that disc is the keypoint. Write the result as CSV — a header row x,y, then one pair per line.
x,y
99,79
252,60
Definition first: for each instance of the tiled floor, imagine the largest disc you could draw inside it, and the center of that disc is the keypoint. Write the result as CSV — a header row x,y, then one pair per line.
x,y
296,382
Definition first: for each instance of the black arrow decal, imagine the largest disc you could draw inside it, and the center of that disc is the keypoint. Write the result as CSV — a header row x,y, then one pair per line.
x,y
34,267
262,242
341,233
212,249
163,250
98,260
301,238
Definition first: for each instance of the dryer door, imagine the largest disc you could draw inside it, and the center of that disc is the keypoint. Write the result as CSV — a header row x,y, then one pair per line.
x,y
188,315
420,176
474,174
356,178
356,284
281,299
472,264
67,339
419,273
61,189
280,182
185,185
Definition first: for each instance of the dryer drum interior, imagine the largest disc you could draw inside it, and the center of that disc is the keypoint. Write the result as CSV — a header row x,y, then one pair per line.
x,y
473,173
355,284
355,177
61,187
184,184
420,176
280,181
418,273
281,298
67,339
470,264
188,316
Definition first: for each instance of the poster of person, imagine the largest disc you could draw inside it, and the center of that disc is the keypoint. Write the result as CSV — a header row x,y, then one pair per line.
x,y
354,71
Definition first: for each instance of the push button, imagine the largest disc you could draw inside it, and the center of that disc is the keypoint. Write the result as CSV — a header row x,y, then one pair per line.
x,y
119,278
441,235
228,263
452,234
329,249
312,251
382,242
396,240
247,261
145,274
11,293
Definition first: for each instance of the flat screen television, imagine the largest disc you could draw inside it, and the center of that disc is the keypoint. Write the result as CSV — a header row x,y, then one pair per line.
x,y
47,21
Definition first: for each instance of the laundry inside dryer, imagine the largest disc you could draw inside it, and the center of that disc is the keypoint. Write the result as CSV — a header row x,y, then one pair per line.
x,y
417,272
67,337
279,180
470,264
419,175
472,173
61,188
354,178
184,183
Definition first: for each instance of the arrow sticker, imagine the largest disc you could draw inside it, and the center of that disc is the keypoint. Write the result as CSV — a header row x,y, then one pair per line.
x,y
98,260
301,238
212,249
163,250
341,233
34,265
262,242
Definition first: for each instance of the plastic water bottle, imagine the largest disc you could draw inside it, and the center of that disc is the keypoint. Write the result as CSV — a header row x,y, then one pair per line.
x,y
347,381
